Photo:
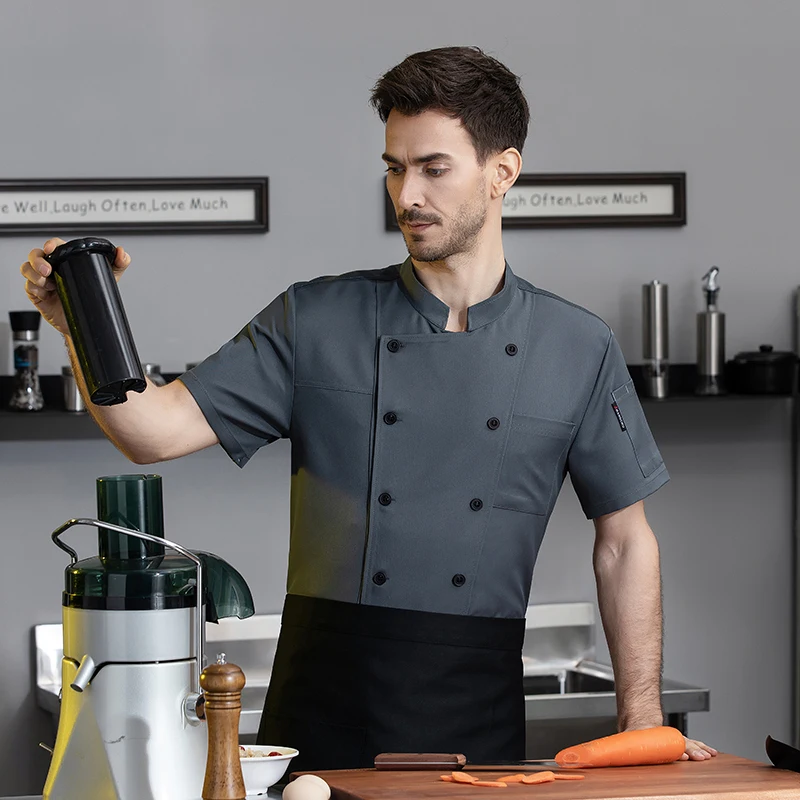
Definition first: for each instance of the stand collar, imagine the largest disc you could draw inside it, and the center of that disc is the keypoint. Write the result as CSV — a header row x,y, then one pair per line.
x,y
437,312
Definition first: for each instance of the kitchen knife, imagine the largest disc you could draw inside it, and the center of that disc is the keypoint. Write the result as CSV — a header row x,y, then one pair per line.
x,y
783,755
456,761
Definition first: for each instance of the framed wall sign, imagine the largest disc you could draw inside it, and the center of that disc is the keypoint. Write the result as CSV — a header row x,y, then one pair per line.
x,y
136,205
571,200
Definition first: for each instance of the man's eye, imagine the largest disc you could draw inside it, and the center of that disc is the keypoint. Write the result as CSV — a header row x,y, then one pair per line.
x,y
435,172
394,170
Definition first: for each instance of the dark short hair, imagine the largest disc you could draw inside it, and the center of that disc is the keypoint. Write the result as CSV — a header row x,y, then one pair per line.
x,y
463,83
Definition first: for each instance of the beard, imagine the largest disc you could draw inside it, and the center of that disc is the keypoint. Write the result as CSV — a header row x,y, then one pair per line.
x,y
467,224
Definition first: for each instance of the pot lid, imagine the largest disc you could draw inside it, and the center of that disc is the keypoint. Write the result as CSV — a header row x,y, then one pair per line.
x,y
765,355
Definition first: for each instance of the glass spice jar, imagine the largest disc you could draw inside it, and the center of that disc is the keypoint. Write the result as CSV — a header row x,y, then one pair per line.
x,y
26,393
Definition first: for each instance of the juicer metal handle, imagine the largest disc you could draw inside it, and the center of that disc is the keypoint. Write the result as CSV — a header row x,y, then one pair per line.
x,y
200,629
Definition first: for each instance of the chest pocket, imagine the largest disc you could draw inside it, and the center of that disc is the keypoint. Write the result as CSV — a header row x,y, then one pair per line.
x,y
644,446
533,465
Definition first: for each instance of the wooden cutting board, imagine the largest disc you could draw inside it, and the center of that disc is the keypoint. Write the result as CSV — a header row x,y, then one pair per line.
x,y
723,777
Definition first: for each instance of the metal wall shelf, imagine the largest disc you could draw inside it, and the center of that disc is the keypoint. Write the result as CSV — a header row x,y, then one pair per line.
x,y
682,381
54,423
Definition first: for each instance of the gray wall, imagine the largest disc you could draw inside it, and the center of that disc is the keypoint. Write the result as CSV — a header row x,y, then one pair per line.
x,y
153,89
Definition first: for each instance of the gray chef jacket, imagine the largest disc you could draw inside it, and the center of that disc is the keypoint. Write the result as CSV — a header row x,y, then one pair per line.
x,y
426,463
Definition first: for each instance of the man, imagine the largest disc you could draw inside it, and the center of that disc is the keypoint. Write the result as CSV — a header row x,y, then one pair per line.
x,y
434,408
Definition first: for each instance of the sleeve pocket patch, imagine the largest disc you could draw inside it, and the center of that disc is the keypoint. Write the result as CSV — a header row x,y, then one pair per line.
x,y
630,416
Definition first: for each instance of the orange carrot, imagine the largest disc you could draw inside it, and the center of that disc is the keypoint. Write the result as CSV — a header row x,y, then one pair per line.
x,y
497,784
627,749
539,777
563,776
448,778
513,778
463,777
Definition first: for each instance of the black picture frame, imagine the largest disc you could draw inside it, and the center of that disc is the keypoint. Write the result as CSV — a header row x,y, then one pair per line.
x,y
585,216
162,221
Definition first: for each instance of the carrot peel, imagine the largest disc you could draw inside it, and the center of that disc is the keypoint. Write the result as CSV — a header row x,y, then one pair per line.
x,y
496,784
462,777
661,745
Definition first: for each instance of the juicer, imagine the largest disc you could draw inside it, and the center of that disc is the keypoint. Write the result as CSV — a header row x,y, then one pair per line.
x,y
132,719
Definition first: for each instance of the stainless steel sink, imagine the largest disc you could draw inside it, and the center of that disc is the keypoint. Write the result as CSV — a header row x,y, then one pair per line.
x,y
566,681
586,689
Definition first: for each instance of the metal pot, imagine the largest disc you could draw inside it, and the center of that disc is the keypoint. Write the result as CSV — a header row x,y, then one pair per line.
x,y
767,371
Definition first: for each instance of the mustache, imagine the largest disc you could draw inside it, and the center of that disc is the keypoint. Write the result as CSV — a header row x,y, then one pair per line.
x,y
413,215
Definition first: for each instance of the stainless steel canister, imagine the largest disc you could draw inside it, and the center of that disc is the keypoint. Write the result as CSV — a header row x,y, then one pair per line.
x,y
710,345
153,371
72,397
655,338
710,340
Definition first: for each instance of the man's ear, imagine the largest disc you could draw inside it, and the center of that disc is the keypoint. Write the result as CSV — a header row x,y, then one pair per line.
x,y
506,167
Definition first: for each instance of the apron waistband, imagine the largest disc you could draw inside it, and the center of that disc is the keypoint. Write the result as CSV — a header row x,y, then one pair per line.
x,y
355,619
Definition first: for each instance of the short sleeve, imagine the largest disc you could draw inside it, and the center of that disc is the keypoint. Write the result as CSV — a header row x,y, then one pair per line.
x,y
245,390
614,461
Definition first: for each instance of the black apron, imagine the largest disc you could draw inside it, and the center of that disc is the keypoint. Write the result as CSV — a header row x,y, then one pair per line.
x,y
350,681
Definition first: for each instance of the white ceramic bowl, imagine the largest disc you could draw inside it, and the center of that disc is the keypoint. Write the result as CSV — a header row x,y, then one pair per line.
x,y
260,772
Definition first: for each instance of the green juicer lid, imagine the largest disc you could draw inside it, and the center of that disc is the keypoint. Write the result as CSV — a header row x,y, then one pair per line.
x,y
159,582
131,574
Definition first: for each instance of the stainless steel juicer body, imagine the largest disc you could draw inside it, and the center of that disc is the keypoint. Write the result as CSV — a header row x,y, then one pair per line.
x,y
129,727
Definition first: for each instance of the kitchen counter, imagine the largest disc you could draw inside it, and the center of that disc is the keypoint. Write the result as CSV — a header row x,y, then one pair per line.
x,y
724,777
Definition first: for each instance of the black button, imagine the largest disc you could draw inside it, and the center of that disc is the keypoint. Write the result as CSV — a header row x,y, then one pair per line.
x,y
493,423
511,349
379,578
390,418
459,580
385,498
476,504
393,345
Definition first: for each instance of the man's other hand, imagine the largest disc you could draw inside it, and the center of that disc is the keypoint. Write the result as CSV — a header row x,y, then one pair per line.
x,y
697,751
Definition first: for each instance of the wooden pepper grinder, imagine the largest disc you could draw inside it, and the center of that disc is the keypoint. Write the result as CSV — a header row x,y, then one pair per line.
x,y
222,685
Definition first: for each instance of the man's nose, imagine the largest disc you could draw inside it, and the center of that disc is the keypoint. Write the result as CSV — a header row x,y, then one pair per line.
x,y
410,193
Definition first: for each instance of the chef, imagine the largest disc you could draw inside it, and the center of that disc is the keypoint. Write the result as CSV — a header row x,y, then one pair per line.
x,y
434,408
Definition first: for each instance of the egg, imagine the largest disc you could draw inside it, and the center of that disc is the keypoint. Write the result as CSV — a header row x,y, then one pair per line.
x,y
307,787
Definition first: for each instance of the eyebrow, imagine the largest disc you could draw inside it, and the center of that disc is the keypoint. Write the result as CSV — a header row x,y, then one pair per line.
x,y
390,159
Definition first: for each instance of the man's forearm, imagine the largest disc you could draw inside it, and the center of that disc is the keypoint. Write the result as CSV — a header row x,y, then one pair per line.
x,y
629,595
155,425
123,424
